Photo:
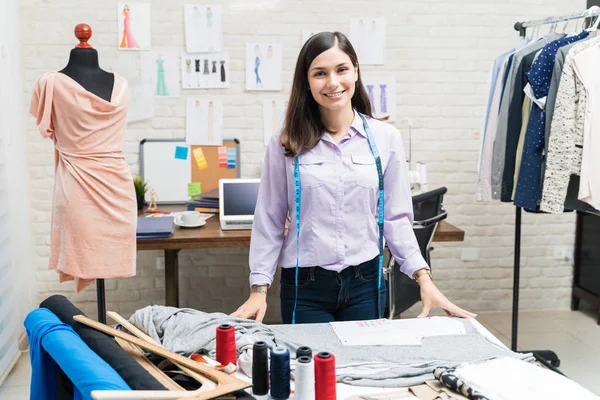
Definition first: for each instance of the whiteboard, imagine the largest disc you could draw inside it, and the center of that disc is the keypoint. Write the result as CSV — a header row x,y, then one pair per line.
x,y
167,175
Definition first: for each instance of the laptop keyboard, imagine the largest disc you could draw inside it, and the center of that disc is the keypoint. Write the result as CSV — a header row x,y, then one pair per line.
x,y
238,223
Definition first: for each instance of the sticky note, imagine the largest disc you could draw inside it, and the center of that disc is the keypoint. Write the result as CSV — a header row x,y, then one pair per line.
x,y
231,157
199,157
181,152
194,189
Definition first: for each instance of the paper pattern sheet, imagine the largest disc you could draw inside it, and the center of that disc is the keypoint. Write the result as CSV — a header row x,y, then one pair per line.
x,y
368,38
205,70
203,27
204,122
404,332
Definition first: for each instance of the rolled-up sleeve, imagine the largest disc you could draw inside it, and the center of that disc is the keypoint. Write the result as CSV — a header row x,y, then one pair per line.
x,y
270,215
398,211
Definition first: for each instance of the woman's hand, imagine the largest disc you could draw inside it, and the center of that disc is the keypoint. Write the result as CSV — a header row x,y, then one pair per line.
x,y
256,305
432,297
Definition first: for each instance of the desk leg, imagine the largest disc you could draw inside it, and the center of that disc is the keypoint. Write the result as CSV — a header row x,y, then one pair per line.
x,y
172,278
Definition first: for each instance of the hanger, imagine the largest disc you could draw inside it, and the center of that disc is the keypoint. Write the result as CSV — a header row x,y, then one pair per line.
x,y
593,12
206,383
226,384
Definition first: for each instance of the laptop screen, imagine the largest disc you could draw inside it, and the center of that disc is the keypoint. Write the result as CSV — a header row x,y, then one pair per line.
x,y
239,198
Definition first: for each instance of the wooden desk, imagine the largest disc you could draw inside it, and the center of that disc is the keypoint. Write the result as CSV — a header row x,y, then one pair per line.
x,y
211,236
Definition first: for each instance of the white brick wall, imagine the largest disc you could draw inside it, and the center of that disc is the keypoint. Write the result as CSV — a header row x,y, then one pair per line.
x,y
440,53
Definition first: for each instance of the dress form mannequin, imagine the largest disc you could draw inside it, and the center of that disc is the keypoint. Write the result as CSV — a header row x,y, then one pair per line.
x,y
83,67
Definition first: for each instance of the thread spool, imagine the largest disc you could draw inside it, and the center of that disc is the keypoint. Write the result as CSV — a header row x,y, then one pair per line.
x,y
260,369
305,379
303,351
226,350
325,376
280,373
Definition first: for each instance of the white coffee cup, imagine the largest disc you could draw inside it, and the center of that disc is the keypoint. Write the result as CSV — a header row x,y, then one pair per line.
x,y
188,218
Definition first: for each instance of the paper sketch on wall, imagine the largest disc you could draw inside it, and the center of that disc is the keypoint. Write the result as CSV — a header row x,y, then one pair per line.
x,y
368,38
134,26
204,122
204,70
203,28
263,66
382,93
307,34
163,69
273,116
141,103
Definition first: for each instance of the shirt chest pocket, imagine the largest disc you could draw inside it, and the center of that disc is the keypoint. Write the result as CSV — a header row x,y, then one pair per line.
x,y
365,171
314,170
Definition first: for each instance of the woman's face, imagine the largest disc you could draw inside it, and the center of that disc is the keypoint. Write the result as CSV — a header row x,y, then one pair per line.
x,y
332,79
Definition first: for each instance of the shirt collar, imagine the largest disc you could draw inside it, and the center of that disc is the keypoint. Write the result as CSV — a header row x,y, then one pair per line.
x,y
357,126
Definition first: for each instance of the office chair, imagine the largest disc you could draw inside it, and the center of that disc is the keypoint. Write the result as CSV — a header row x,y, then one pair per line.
x,y
402,291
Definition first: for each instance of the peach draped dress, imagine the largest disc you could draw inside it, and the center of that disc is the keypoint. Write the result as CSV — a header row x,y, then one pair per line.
x,y
94,216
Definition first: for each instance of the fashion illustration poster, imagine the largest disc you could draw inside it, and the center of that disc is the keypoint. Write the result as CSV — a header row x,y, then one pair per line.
x,y
163,69
204,122
203,32
368,38
382,93
141,104
205,70
263,66
134,26
273,115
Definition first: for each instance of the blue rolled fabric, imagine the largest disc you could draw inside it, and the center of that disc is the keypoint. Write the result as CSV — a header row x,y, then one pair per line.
x,y
52,341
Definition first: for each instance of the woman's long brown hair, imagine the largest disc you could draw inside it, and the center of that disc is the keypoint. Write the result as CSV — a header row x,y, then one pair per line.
x,y
302,127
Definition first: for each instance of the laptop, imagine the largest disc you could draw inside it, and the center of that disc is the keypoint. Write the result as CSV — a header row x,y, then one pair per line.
x,y
237,201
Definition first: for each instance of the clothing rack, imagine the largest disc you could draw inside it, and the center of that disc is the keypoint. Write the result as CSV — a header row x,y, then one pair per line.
x,y
547,357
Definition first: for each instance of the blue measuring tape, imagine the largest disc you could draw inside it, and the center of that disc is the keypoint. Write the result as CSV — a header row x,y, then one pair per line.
x,y
380,219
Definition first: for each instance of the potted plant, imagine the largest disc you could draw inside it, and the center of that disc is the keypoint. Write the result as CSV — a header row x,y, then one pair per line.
x,y
141,187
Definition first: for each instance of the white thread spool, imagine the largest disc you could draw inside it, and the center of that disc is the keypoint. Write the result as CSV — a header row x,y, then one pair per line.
x,y
305,379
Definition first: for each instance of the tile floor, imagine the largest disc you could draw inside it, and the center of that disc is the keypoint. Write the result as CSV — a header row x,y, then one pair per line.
x,y
573,335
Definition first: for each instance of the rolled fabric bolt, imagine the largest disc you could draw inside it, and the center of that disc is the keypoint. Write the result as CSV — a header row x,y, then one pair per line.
x,y
325,376
260,369
226,350
303,351
280,373
305,379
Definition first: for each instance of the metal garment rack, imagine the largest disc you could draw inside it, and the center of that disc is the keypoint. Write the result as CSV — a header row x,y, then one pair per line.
x,y
547,357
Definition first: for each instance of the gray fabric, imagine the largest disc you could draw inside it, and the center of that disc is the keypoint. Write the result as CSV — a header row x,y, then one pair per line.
x,y
187,331
498,156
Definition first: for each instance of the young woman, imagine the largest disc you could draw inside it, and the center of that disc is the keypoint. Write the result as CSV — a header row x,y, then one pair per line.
x,y
326,170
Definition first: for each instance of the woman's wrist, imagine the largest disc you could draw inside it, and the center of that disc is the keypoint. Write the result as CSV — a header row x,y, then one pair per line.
x,y
259,289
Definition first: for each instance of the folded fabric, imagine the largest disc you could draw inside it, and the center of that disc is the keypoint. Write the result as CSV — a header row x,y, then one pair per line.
x,y
189,331
434,390
448,377
136,377
50,339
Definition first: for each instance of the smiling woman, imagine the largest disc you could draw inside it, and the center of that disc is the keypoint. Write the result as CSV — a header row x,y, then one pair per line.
x,y
326,81
341,176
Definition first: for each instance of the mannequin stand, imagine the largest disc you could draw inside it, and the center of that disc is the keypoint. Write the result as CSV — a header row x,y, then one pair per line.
x,y
101,299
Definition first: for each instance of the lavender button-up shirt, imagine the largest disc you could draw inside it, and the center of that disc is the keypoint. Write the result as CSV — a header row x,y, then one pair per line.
x,y
338,221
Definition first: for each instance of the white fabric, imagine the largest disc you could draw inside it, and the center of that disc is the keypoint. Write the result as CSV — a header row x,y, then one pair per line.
x,y
586,67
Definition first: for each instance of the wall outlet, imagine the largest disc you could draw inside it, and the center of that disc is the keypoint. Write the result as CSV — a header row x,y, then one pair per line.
x,y
563,254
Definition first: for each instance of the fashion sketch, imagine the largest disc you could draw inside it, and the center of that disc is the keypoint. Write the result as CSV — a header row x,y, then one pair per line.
x,y
161,83
257,66
128,41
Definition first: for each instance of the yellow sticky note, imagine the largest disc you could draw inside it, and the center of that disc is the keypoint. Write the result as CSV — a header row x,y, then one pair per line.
x,y
194,189
199,157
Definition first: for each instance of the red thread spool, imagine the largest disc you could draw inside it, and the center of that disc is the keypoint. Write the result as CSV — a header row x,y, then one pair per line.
x,y
226,351
325,376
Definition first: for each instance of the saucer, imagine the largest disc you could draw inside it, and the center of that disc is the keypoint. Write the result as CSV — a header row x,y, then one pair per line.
x,y
183,225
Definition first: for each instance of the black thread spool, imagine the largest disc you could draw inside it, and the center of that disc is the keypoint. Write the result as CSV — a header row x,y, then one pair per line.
x,y
260,369
303,351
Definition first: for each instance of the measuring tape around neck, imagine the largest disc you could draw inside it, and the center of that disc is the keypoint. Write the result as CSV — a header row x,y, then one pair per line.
x,y
380,219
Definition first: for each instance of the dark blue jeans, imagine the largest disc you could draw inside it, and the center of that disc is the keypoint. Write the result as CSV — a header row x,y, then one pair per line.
x,y
326,296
